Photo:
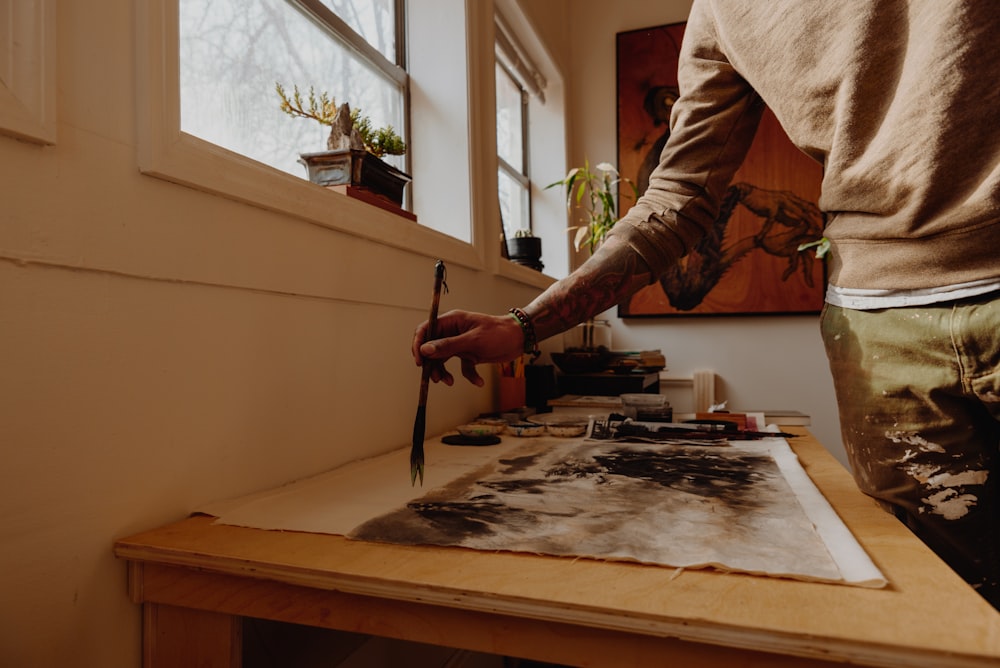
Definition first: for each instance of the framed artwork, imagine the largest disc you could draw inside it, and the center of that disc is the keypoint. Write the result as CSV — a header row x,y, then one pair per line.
x,y
750,263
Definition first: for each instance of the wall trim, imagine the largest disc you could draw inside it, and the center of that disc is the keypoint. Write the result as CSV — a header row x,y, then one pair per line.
x,y
28,70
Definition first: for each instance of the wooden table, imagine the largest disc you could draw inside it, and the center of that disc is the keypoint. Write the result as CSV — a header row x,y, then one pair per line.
x,y
197,581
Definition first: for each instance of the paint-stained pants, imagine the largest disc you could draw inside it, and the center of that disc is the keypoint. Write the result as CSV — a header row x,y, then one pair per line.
x,y
919,396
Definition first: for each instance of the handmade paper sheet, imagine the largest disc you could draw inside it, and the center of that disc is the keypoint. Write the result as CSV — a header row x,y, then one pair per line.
x,y
747,507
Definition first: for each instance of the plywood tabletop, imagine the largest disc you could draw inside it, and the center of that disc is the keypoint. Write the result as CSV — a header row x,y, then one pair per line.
x,y
926,617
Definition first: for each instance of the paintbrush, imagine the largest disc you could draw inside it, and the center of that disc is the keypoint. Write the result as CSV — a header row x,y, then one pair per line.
x,y
420,423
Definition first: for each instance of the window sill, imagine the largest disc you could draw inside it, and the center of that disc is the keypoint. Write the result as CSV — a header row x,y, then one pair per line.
x,y
522,274
190,161
368,197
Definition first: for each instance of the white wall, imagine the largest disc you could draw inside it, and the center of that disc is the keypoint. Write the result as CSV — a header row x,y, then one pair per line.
x,y
765,362
161,347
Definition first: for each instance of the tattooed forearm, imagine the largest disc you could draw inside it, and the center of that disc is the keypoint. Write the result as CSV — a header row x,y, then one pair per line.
x,y
613,274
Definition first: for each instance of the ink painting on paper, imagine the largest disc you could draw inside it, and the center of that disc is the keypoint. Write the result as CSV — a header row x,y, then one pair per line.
x,y
728,507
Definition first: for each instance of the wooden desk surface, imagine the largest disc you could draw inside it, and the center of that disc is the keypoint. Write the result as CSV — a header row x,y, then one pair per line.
x,y
582,612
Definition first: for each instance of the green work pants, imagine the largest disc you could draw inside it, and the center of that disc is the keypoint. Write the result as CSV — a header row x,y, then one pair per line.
x,y
919,395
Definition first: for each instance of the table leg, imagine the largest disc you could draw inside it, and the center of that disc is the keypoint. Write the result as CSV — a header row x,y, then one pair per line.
x,y
176,637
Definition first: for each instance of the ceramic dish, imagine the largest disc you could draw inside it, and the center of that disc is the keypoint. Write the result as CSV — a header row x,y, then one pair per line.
x,y
498,423
479,429
566,429
525,429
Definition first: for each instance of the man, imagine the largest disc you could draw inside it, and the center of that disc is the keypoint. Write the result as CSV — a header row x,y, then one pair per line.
x,y
898,100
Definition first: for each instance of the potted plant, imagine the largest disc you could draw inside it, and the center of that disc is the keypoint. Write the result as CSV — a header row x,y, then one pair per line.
x,y
525,248
594,193
354,147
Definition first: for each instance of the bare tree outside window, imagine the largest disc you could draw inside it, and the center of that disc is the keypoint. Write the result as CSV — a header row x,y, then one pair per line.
x,y
232,52
375,20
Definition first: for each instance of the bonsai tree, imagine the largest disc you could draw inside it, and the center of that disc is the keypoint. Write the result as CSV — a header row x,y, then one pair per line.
x,y
349,128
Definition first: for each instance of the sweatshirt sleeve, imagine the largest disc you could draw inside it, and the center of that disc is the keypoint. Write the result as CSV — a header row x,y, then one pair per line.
x,y
711,128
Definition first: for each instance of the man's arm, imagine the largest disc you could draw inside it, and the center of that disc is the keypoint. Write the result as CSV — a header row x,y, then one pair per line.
x,y
609,277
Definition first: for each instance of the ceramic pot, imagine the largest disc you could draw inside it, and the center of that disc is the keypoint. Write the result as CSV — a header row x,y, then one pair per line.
x,y
356,168
526,251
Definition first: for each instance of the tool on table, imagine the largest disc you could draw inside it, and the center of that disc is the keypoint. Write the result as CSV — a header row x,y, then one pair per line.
x,y
733,428
419,425
620,428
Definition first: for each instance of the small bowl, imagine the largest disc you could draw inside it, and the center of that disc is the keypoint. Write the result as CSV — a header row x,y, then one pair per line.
x,y
526,429
498,423
479,429
568,429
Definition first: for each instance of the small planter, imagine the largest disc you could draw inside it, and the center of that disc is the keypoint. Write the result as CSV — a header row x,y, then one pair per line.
x,y
586,348
354,167
526,251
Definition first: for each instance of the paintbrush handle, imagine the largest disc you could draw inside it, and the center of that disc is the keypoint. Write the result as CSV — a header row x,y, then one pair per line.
x,y
435,301
431,328
425,382
420,423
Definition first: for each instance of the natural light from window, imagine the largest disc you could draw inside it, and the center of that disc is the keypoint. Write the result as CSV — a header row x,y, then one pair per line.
x,y
232,52
375,20
511,178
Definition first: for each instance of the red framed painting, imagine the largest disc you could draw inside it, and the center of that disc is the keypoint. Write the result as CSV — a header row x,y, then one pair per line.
x,y
750,264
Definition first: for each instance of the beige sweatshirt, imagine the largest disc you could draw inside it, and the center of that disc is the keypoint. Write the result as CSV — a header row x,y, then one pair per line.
x,y
898,99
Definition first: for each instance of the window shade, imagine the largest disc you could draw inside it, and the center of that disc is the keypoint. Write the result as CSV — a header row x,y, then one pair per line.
x,y
516,60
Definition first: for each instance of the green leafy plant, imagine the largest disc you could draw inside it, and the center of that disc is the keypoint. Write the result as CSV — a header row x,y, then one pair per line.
x,y
595,192
323,109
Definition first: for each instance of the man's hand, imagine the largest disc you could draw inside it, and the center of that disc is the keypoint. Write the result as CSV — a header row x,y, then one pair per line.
x,y
475,338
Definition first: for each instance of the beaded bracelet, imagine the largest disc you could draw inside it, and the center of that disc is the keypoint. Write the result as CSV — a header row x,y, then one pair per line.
x,y
530,342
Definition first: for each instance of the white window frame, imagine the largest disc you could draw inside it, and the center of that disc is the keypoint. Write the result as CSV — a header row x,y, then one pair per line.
x,y
452,140
28,70
547,148
164,151
520,173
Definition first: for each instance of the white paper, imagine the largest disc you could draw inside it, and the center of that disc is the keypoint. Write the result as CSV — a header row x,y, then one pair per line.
x,y
340,501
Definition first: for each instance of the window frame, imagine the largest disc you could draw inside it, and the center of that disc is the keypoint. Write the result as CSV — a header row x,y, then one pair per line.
x,y
455,114
545,135
395,70
327,19
28,100
520,173
166,152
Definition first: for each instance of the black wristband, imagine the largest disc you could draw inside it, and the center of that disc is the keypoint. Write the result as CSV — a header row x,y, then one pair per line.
x,y
530,342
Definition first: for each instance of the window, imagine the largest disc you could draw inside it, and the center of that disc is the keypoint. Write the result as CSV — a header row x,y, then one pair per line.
x,y
233,52
449,63
512,153
531,135
516,75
